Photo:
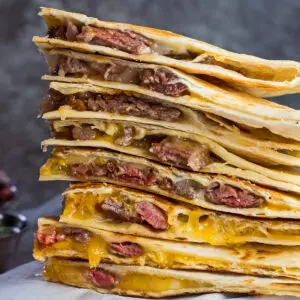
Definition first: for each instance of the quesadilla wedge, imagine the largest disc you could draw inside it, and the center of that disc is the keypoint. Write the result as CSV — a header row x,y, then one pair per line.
x,y
252,74
123,210
56,239
174,86
172,147
86,101
159,283
215,192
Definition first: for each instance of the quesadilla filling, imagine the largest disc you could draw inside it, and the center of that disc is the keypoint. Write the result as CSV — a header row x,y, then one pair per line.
x,y
77,275
139,175
159,79
49,236
137,44
231,196
135,174
84,242
121,103
124,40
139,212
131,281
179,152
53,239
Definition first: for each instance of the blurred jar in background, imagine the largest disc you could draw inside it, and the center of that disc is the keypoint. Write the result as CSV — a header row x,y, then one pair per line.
x,y
12,224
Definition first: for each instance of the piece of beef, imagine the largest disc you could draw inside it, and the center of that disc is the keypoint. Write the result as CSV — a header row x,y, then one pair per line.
x,y
152,214
126,172
126,249
122,210
68,31
159,80
166,183
159,112
182,153
225,194
147,141
122,73
87,171
49,238
46,238
134,174
116,103
75,102
78,170
126,138
52,101
57,32
77,234
126,40
103,279
163,81
84,132
71,31
133,105
188,188
128,211
72,65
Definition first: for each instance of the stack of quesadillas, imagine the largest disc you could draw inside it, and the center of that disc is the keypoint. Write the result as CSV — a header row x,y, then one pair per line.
x,y
188,181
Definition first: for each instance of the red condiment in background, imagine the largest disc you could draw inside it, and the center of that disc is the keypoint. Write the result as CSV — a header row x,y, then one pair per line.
x,y
7,190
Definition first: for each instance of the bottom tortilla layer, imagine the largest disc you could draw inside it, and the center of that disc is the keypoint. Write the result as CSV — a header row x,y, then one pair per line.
x,y
158,283
56,239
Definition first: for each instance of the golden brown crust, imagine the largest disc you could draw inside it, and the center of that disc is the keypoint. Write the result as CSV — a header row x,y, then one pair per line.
x,y
225,102
280,174
166,283
279,80
255,259
289,204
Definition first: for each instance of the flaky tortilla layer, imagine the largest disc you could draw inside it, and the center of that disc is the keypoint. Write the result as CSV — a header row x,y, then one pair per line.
x,y
220,100
259,76
276,204
280,174
252,259
158,283
258,145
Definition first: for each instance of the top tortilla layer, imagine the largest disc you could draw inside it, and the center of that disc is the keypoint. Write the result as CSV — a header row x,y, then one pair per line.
x,y
283,77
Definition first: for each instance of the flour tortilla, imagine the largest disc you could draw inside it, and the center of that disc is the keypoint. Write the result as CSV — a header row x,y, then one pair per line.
x,y
219,100
255,259
134,281
256,145
275,204
258,76
282,175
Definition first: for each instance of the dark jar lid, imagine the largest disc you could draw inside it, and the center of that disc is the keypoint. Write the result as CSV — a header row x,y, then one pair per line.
x,y
11,223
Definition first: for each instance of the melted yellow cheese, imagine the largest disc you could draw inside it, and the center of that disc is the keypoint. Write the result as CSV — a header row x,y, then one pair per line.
x,y
83,207
215,229
150,283
75,274
60,166
239,259
66,244
96,249
54,166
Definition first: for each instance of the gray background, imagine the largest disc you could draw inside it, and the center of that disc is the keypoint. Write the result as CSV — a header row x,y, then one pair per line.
x,y
267,28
